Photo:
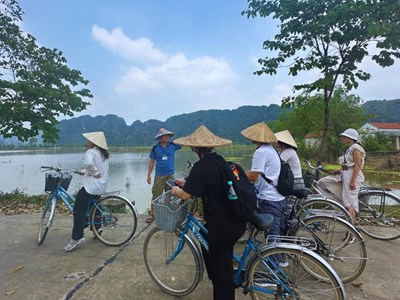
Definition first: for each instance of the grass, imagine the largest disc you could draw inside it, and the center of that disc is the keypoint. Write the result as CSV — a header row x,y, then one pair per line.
x,y
17,195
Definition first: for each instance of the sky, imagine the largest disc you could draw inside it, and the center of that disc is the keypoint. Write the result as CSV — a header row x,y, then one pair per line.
x,y
154,59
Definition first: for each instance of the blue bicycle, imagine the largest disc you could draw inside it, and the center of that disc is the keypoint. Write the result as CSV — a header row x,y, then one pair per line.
x,y
111,217
174,261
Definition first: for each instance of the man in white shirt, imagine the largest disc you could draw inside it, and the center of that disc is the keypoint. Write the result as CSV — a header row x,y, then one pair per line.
x,y
266,162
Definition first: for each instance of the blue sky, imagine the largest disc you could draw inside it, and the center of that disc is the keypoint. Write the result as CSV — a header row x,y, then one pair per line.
x,y
155,59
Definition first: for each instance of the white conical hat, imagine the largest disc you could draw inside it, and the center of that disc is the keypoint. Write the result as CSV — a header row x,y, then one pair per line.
x,y
259,132
202,137
163,132
98,138
286,137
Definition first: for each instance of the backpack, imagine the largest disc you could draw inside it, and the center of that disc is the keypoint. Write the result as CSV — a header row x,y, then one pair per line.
x,y
285,180
244,206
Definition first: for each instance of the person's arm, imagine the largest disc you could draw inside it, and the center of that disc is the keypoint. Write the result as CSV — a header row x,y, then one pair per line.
x,y
357,167
90,166
150,170
252,176
178,192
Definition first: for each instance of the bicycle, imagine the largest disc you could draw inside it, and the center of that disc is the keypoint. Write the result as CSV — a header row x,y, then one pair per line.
x,y
174,261
111,217
379,209
336,240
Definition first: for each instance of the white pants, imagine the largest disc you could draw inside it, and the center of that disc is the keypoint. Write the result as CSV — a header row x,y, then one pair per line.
x,y
339,185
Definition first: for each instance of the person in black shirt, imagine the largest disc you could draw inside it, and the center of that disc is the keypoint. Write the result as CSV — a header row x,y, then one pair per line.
x,y
224,230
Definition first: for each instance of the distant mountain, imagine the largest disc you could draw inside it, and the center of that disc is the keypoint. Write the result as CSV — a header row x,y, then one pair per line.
x,y
227,123
385,111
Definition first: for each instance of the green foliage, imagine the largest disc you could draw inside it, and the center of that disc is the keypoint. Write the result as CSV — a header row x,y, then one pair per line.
x,y
378,142
308,117
36,84
22,197
331,36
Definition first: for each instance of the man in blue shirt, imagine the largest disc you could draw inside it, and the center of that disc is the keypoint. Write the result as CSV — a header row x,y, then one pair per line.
x,y
163,156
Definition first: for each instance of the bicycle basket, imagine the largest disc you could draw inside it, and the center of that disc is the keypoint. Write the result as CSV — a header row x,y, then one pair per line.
x,y
51,182
169,211
65,181
52,179
308,178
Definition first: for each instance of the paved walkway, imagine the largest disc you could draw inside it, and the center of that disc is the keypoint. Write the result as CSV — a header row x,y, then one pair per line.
x,y
95,271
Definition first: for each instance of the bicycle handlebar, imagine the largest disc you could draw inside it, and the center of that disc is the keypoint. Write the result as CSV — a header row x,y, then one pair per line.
x,y
58,169
318,168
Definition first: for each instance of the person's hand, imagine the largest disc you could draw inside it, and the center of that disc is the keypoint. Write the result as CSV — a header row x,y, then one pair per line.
x,y
175,190
98,176
149,179
336,172
180,182
352,184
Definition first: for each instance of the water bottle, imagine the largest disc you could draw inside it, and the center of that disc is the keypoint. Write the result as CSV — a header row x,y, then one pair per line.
x,y
232,194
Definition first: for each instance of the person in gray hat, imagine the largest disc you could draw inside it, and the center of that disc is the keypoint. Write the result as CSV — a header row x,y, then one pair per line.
x,y
162,155
345,183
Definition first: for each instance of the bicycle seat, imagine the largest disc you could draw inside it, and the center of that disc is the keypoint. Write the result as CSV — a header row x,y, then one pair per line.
x,y
262,222
301,193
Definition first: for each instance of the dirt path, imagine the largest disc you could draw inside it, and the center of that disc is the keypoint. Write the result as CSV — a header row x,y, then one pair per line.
x,y
95,271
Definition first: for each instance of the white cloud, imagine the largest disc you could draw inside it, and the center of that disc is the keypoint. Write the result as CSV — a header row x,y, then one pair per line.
x,y
140,51
153,78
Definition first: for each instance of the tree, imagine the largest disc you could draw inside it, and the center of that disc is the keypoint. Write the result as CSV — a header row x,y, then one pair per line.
x,y
331,36
307,116
36,84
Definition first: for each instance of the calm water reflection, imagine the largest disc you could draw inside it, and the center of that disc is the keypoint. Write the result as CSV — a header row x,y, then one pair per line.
x,y
128,171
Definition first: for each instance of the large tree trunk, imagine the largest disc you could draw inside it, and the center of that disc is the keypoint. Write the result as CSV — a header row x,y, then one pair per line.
x,y
322,153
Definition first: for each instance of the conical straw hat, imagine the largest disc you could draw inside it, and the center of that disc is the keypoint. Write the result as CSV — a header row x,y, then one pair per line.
x,y
163,132
259,132
286,137
202,137
98,138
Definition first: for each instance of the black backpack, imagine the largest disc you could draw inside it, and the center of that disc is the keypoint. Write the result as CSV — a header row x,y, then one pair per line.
x,y
286,179
246,203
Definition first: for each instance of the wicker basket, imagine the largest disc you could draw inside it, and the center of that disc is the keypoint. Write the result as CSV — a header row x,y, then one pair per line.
x,y
308,178
52,179
169,211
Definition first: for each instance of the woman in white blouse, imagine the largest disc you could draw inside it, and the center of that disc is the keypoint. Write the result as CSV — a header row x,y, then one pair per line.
x,y
288,148
345,183
94,183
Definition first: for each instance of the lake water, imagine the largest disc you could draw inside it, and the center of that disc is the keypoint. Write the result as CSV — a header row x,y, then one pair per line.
x,y
128,171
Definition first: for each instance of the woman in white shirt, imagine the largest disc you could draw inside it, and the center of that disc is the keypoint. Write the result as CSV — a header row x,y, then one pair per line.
x,y
346,182
288,147
94,183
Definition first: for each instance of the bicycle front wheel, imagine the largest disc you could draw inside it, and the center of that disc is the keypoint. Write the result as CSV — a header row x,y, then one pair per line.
x,y
47,219
338,242
379,215
266,280
113,220
180,276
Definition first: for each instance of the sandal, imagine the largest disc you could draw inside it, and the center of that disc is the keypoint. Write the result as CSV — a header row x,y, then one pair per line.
x,y
150,220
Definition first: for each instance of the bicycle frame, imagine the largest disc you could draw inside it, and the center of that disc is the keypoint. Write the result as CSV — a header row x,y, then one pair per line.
x,y
199,232
61,194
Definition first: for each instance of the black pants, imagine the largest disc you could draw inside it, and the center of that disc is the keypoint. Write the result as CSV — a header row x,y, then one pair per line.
x,y
223,233
80,210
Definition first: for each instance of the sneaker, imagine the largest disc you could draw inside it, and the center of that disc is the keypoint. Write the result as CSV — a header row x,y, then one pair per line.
x,y
72,244
264,282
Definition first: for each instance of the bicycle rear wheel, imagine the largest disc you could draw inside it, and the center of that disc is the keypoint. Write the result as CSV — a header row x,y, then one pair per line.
x,y
379,215
113,220
319,205
47,219
179,277
338,242
266,280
